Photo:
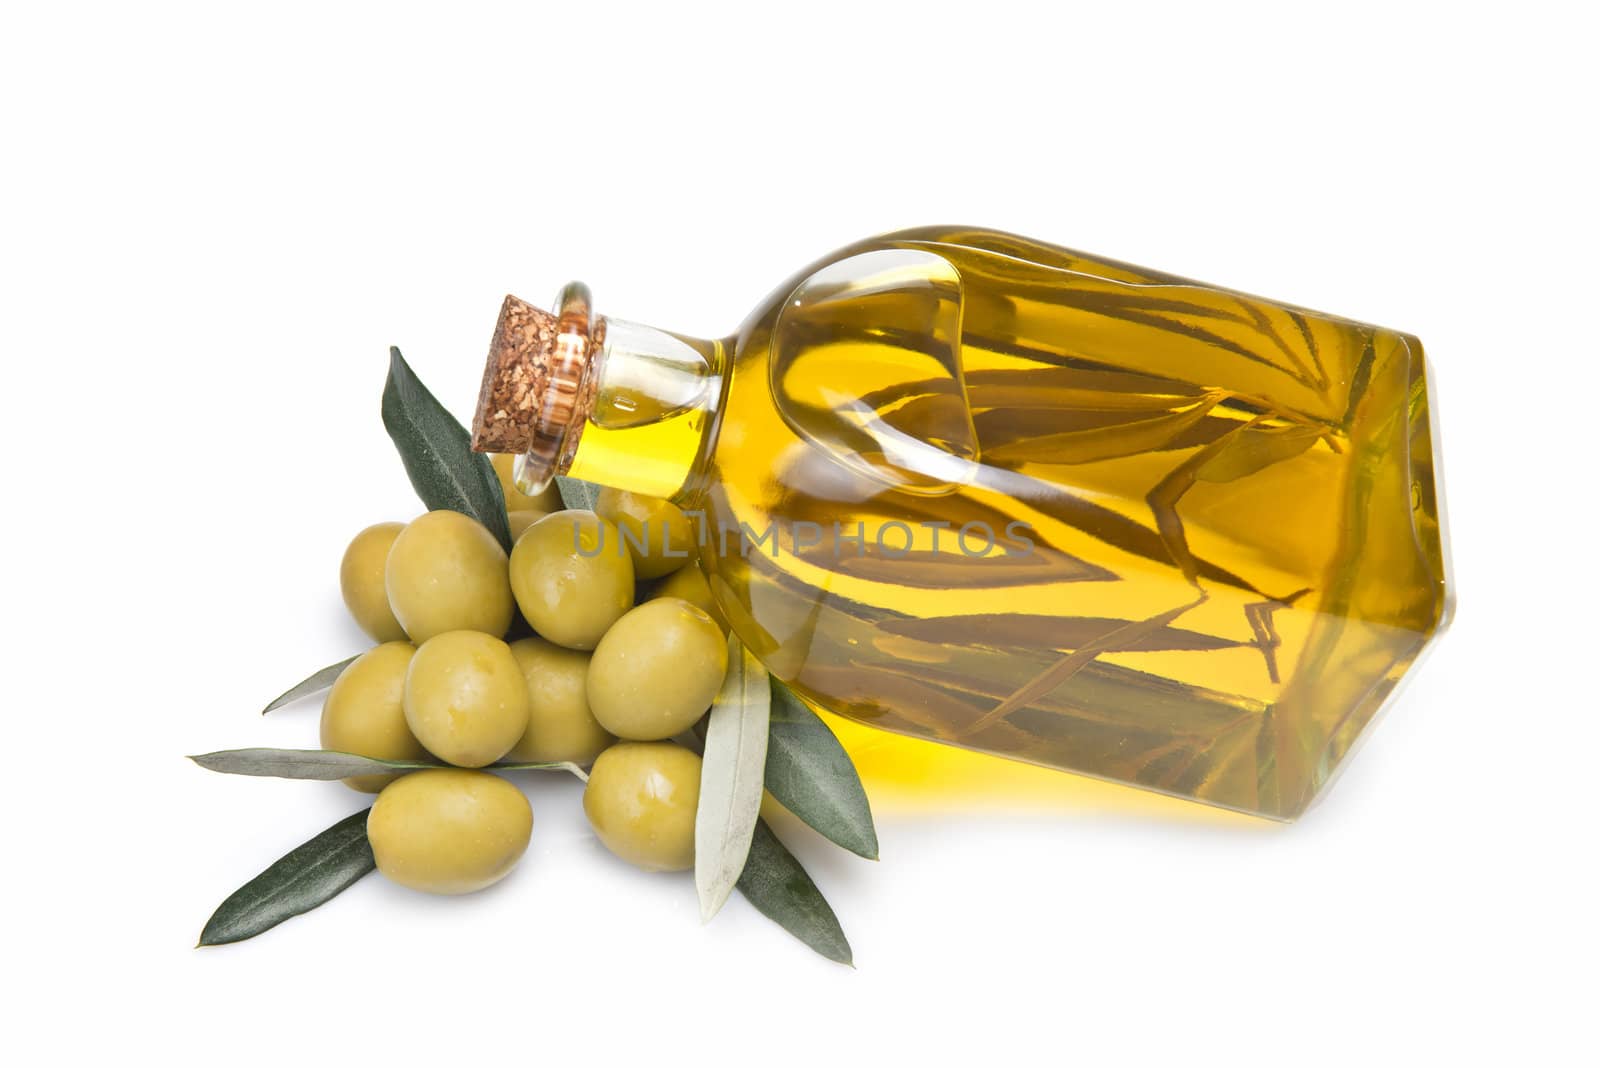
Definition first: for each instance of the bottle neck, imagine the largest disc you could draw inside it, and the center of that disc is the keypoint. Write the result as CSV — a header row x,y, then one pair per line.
x,y
649,402
604,400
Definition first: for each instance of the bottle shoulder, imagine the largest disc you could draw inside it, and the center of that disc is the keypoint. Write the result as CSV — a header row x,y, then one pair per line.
x,y
965,247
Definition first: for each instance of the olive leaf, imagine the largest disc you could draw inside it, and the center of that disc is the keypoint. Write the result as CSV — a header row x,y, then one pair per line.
x,y
576,493
811,775
297,882
315,682
730,778
775,883
437,453
326,764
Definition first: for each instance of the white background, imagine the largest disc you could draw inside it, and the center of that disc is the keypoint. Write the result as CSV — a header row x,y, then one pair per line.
x,y
216,219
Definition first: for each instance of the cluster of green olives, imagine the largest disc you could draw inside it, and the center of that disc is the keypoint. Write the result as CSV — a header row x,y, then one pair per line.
x,y
626,654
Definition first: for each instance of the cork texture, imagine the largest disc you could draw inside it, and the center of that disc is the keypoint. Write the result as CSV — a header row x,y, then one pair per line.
x,y
515,379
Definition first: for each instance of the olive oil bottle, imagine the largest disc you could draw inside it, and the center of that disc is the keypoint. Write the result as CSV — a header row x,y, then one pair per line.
x,y
970,487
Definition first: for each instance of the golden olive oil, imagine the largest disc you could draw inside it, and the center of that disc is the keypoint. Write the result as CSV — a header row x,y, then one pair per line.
x,y
973,488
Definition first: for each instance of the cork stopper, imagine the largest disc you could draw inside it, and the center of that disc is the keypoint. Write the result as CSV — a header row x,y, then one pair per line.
x,y
534,398
515,378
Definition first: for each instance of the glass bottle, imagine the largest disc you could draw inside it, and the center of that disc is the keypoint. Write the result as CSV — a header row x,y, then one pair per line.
x,y
970,487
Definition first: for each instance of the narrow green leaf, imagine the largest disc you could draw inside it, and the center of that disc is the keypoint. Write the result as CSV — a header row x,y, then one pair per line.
x,y
811,775
779,888
576,493
316,682
730,778
327,765
297,882
437,453
1258,448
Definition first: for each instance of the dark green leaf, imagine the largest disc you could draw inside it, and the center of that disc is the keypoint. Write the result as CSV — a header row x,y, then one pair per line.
x,y
437,453
576,493
810,774
780,889
326,765
297,882
316,682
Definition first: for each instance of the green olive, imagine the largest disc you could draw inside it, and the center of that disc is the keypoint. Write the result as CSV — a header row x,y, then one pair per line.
x,y
572,577
516,500
641,800
447,831
658,535
446,572
361,582
688,584
560,725
365,712
656,670
522,519
465,698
